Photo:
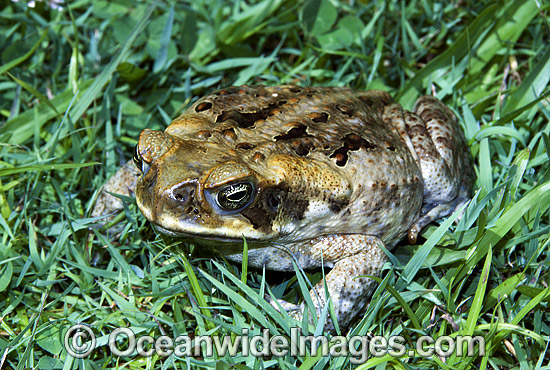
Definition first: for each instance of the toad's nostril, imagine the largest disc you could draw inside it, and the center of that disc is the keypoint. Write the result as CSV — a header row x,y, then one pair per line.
x,y
179,197
183,194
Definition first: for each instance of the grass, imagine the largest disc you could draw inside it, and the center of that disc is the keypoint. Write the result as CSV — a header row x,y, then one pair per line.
x,y
78,84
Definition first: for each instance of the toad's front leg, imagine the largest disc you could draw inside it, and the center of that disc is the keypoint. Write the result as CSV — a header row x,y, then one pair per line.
x,y
351,257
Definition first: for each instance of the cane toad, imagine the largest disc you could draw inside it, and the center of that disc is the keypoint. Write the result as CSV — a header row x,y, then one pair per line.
x,y
321,175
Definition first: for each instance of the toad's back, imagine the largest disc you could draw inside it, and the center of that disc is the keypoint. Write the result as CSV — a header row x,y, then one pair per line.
x,y
340,127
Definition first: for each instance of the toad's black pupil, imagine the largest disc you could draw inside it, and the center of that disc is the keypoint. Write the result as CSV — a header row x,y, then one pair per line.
x,y
235,197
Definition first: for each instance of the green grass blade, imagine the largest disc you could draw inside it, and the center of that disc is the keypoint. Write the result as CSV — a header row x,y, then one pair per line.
x,y
244,264
195,287
537,198
252,309
531,87
455,52
34,92
511,21
416,262
23,126
89,94
6,67
504,329
162,55
477,302
502,290
530,306
45,167
406,307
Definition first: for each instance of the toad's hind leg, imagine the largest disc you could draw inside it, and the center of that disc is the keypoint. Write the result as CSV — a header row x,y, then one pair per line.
x,y
351,257
441,151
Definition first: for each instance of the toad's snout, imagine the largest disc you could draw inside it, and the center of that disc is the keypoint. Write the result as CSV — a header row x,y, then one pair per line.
x,y
185,198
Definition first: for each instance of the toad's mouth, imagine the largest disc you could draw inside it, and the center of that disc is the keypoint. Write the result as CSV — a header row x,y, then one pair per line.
x,y
215,236
225,245
198,235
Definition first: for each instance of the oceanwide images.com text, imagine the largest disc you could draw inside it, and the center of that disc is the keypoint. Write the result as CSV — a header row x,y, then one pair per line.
x,y
80,341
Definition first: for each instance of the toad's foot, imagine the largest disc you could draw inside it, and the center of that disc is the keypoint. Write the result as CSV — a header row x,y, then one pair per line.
x,y
351,257
123,182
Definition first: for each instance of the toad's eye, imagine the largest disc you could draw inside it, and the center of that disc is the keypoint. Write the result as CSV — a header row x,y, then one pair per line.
x,y
138,161
235,197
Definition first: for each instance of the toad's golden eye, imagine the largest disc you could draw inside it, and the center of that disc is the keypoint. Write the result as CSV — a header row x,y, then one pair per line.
x,y
138,161
235,197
